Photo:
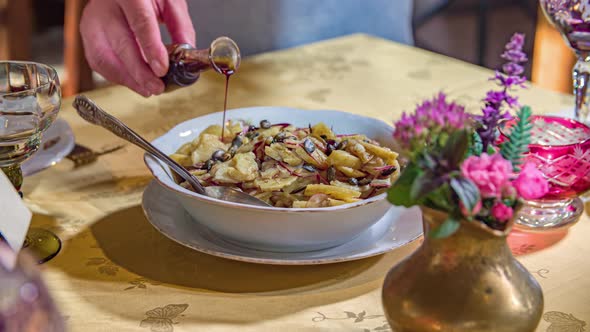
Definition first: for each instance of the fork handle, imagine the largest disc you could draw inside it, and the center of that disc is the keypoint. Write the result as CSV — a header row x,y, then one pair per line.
x,y
89,111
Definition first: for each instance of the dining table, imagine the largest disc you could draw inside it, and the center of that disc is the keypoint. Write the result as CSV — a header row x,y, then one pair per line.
x,y
115,272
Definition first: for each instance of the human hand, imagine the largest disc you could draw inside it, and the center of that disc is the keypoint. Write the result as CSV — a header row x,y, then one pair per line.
x,y
122,40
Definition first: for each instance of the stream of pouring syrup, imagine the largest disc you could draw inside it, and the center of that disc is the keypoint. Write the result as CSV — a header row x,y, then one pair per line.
x,y
226,68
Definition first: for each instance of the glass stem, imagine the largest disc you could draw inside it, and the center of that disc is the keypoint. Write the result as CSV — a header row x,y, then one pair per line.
x,y
15,175
580,76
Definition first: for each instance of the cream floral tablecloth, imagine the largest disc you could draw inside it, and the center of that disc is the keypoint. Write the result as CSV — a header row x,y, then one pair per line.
x,y
117,273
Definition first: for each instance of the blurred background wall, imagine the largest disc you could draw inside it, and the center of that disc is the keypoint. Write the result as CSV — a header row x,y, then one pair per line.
x,y
471,30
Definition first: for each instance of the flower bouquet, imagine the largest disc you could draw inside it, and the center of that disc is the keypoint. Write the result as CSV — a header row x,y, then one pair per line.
x,y
468,185
455,163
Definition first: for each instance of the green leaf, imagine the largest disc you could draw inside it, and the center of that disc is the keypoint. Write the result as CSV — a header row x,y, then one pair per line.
x,y
519,138
476,147
440,199
491,150
466,191
424,184
425,161
447,228
456,148
399,192
442,138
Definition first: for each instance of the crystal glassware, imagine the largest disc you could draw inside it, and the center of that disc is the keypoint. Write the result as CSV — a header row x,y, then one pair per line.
x,y
572,19
560,148
25,303
30,98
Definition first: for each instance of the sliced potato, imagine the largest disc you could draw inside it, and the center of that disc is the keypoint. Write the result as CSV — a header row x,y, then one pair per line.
x,y
244,167
344,185
274,184
241,168
321,129
198,172
336,202
300,183
351,172
232,129
372,166
207,145
299,204
319,143
212,130
270,173
317,158
355,148
270,132
187,148
333,191
221,173
273,152
282,200
384,153
265,196
342,158
356,137
183,159
280,152
249,185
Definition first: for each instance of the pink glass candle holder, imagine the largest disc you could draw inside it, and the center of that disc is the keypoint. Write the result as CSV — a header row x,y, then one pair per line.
x,y
560,148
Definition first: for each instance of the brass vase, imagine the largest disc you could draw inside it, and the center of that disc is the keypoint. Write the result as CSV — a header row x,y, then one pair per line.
x,y
468,281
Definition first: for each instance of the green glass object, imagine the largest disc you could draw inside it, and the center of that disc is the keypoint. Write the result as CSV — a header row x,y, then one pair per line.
x,y
15,175
40,243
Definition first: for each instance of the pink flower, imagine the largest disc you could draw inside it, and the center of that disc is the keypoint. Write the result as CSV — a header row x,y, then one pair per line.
x,y
502,212
489,173
471,213
530,183
509,192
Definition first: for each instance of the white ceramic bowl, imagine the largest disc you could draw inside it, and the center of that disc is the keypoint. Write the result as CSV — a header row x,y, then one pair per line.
x,y
270,228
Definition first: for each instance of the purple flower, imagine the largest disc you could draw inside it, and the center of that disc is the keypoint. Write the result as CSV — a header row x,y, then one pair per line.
x,y
430,118
514,55
499,103
512,102
513,69
508,82
495,97
517,41
493,112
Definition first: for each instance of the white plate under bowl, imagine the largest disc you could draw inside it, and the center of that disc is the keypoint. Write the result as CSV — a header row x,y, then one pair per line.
x,y
272,228
397,228
57,142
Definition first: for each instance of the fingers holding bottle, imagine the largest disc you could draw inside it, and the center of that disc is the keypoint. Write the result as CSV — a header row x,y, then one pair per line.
x,y
122,40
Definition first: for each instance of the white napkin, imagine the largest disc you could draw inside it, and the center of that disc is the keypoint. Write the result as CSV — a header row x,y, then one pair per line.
x,y
15,217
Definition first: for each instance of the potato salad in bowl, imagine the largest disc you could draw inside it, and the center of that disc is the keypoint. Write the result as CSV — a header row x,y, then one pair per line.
x,y
289,166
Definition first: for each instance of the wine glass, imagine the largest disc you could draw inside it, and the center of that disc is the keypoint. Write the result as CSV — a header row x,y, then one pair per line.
x,y
560,149
572,19
30,97
25,303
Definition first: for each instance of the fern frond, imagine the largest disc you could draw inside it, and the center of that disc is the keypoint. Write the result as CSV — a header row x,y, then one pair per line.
x,y
519,139
476,147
